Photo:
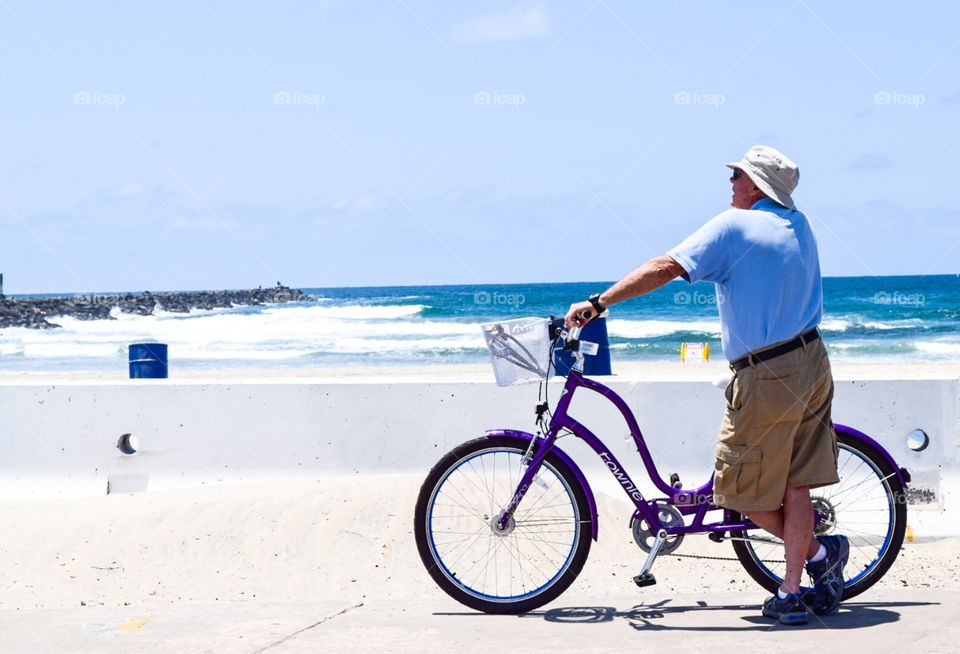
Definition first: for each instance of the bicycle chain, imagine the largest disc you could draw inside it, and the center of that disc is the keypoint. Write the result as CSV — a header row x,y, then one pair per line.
x,y
719,558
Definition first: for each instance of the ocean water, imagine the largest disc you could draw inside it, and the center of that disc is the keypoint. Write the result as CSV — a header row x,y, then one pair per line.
x,y
915,318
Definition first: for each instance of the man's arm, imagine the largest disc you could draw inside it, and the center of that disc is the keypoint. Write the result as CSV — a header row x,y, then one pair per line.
x,y
650,276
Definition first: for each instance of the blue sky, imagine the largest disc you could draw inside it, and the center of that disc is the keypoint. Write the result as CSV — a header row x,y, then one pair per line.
x,y
187,145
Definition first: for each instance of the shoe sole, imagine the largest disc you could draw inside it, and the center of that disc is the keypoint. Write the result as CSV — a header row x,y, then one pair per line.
x,y
789,619
792,621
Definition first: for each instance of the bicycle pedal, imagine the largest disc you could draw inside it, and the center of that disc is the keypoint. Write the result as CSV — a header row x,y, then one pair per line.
x,y
716,536
646,579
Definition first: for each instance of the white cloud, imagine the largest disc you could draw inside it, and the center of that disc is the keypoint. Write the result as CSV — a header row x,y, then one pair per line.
x,y
360,204
951,99
871,161
130,190
515,24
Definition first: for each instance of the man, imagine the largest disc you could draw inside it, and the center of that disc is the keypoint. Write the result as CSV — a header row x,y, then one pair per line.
x,y
777,440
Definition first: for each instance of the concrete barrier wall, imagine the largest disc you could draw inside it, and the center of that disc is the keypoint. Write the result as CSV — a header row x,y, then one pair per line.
x,y
62,439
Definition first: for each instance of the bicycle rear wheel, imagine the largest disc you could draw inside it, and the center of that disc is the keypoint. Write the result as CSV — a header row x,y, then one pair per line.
x,y
867,506
514,570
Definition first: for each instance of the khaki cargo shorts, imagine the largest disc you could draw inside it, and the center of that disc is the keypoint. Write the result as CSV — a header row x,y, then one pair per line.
x,y
777,431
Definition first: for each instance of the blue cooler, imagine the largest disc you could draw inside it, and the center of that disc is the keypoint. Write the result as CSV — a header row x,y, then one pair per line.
x,y
598,364
148,361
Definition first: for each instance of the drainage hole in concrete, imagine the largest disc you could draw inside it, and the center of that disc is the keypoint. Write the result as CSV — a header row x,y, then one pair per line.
x,y
128,444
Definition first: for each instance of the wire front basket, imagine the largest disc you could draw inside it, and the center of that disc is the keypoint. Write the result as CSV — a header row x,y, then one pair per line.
x,y
519,349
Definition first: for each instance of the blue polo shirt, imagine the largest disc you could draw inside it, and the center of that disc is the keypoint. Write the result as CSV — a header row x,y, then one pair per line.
x,y
765,264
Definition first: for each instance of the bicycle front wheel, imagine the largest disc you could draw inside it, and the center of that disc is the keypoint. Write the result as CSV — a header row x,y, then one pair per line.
x,y
867,506
512,570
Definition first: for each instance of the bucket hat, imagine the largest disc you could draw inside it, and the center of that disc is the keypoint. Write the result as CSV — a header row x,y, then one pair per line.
x,y
773,172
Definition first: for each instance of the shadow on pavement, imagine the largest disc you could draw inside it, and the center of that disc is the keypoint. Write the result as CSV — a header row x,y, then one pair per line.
x,y
655,616
652,617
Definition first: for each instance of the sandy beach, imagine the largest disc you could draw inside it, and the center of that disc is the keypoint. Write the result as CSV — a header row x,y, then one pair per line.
x,y
118,572
332,538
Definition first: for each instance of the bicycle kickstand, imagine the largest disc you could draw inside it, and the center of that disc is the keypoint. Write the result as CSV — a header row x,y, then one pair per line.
x,y
646,578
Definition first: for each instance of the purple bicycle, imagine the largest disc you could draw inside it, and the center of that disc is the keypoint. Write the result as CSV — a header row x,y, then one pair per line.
x,y
504,522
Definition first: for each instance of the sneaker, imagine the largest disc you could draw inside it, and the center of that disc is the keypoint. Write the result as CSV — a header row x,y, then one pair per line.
x,y
790,610
828,574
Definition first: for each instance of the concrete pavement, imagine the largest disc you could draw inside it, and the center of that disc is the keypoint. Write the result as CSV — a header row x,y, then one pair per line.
x,y
903,621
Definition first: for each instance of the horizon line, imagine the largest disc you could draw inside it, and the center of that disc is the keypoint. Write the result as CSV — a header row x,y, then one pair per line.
x,y
369,286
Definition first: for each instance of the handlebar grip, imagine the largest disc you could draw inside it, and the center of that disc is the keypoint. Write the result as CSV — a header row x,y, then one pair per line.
x,y
558,328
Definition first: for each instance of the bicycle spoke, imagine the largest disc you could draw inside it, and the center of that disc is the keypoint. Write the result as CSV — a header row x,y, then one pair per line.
x,y
865,493
479,488
536,508
532,538
468,536
466,508
486,568
487,558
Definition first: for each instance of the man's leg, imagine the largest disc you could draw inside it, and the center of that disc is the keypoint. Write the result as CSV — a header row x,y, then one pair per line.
x,y
794,524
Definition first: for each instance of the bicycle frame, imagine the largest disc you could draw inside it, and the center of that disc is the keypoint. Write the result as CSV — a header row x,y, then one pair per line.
x,y
696,501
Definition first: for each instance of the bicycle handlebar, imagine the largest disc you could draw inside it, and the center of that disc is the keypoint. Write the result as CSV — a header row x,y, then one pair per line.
x,y
558,329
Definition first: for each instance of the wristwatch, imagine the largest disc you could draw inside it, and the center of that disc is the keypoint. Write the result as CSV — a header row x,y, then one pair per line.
x,y
595,301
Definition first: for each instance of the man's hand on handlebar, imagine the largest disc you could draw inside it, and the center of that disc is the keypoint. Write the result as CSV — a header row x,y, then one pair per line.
x,y
579,315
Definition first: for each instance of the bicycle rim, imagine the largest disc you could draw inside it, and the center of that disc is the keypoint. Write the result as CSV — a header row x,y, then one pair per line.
x,y
538,546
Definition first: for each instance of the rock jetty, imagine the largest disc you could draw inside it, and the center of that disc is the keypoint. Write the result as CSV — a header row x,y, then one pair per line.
x,y
35,313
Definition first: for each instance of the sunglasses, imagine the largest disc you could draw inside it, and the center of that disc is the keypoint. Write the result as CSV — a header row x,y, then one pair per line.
x,y
736,174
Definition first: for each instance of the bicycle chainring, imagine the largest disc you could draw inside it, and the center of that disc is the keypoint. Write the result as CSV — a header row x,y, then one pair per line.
x,y
827,515
670,516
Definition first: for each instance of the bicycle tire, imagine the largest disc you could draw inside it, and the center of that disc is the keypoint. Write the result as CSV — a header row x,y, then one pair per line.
x,y
858,464
551,527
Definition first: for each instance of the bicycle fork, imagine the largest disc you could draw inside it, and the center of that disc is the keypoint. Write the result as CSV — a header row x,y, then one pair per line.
x,y
532,460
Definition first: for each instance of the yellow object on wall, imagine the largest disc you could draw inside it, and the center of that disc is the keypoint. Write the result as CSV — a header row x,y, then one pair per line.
x,y
694,352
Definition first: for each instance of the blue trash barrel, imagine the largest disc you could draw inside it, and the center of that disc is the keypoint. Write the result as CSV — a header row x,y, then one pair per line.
x,y
148,361
599,363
